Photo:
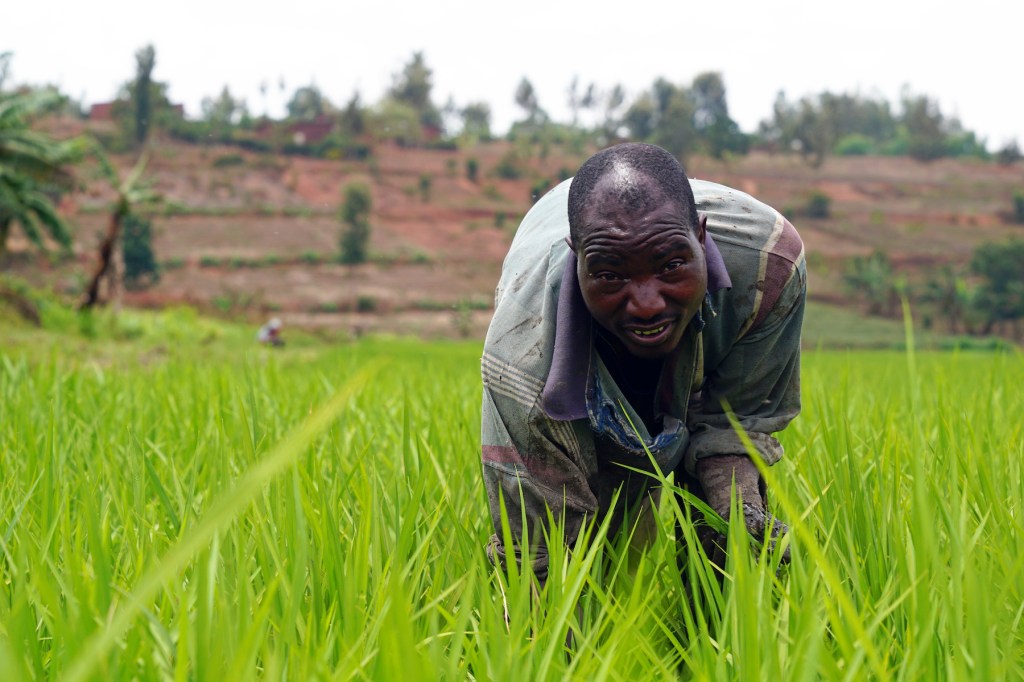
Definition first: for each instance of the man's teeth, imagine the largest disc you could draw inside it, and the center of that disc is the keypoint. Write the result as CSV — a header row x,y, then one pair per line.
x,y
649,332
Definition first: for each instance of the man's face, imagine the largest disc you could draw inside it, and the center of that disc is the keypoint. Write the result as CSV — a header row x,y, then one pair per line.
x,y
642,271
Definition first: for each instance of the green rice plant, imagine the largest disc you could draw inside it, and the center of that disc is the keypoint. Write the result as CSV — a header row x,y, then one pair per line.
x,y
318,513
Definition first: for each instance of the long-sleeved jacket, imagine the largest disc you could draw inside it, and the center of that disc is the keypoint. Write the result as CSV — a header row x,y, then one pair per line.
x,y
556,425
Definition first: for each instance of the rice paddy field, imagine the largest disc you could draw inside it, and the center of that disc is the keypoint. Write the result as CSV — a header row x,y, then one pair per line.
x,y
208,510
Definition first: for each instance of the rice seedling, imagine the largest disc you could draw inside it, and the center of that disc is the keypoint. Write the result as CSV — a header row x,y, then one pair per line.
x,y
319,514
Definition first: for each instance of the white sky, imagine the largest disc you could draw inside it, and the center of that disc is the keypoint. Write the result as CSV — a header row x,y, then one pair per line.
x,y
967,55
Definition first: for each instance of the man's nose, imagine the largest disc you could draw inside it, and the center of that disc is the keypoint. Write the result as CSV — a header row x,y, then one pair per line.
x,y
646,301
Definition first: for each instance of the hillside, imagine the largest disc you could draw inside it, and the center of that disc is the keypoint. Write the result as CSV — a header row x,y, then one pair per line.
x,y
251,234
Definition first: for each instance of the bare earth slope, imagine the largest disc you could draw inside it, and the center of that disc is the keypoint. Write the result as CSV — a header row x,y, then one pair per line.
x,y
257,234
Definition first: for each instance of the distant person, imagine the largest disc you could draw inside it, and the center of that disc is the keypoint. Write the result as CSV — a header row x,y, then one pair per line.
x,y
636,308
270,333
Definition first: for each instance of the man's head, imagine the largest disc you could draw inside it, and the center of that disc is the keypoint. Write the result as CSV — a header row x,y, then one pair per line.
x,y
640,243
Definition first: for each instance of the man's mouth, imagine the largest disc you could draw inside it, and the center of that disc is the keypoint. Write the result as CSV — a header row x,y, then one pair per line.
x,y
651,335
644,333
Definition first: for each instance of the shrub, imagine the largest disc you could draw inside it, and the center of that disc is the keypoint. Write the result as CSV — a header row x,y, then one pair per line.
x,y
509,166
1008,154
1018,208
855,145
539,189
472,169
137,245
818,205
355,214
174,263
366,304
426,181
228,160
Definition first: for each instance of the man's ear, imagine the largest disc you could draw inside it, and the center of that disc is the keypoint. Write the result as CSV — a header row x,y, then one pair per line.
x,y
702,227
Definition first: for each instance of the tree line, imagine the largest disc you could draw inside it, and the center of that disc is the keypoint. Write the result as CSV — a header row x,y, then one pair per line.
x,y
686,118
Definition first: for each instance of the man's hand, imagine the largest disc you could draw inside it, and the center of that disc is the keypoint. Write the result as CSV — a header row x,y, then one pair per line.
x,y
716,476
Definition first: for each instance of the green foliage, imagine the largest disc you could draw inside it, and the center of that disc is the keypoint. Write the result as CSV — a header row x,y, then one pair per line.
x,y
526,98
472,169
145,60
926,138
412,87
1018,207
476,121
228,160
855,144
538,189
425,183
509,166
396,121
214,511
308,103
819,205
355,215
137,246
223,114
1001,294
34,172
366,304
1008,154
873,280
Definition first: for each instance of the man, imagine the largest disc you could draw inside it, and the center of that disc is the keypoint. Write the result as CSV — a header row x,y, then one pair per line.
x,y
636,309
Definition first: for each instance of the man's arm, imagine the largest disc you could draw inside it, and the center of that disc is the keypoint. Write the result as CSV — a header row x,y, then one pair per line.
x,y
531,464
759,382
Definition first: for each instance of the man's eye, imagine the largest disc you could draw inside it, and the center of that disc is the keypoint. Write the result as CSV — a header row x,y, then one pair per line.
x,y
606,277
674,264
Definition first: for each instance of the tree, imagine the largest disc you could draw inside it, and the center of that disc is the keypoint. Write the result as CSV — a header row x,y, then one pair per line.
x,y
34,171
355,215
526,98
398,121
308,103
641,117
1008,154
1001,294
719,133
476,120
614,100
412,86
353,117
225,110
130,192
947,290
673,128
145,60
872,278
925,126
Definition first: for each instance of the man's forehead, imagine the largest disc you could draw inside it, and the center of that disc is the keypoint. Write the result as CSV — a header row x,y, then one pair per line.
x,y
624,178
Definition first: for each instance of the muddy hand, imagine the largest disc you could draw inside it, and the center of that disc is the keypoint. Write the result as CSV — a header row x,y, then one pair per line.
x,y
757,520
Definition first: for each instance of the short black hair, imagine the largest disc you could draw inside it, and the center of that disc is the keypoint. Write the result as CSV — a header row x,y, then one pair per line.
x,y
650,161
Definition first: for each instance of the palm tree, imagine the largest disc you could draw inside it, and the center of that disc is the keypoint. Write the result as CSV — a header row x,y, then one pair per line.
x,y
33,171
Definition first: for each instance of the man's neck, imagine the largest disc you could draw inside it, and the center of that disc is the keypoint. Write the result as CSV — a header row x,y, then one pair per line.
x,y
637,378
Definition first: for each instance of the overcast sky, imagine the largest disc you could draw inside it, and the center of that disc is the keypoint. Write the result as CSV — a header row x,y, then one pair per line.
x,y
966,55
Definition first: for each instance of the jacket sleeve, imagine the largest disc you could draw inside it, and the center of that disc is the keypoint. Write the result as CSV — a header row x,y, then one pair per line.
x,y
532,464
758,380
